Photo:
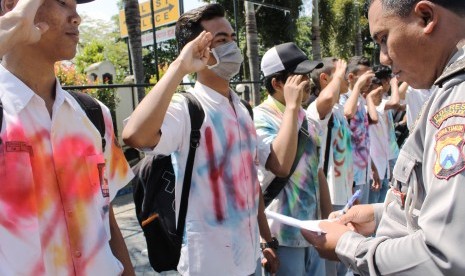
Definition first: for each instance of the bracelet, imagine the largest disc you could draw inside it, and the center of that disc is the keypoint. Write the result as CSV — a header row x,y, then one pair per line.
x,y
273,244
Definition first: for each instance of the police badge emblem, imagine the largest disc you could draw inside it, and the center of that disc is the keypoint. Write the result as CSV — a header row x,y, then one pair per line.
x,y
450,159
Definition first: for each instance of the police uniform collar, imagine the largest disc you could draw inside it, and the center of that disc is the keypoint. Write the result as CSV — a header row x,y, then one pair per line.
x,y
455,66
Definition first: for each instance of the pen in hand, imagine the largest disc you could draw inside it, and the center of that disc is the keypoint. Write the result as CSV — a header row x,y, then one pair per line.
x,y
350,203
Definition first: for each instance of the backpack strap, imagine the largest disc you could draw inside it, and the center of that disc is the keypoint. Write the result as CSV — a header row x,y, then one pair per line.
x,y
278,183
197,115
93,111
328,144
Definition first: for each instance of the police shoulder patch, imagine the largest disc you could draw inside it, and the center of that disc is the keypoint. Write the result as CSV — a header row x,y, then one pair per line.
x,y
452,110
450,159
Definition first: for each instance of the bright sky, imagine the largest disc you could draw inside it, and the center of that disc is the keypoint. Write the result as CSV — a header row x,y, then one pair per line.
x,y
105,9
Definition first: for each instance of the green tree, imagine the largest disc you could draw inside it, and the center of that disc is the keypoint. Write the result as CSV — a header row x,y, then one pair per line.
x,y
303,37
132,13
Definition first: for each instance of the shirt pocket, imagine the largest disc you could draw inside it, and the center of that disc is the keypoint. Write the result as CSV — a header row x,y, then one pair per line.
x,y
99,183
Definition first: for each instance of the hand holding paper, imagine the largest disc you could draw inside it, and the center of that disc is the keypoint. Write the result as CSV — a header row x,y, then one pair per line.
x,y
311,225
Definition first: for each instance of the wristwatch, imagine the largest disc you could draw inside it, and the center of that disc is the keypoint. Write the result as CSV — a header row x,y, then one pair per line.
x,y
274,244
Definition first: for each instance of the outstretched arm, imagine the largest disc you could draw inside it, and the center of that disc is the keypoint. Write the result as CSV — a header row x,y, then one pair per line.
x,y
143,127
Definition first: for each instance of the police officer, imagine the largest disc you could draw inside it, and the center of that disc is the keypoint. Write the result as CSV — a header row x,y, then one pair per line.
x,y
419,229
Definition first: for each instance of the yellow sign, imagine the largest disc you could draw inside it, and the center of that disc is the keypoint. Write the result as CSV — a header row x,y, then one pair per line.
x,y
165,12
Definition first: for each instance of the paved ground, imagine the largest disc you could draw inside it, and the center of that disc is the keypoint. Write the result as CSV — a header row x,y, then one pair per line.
x,y
123,206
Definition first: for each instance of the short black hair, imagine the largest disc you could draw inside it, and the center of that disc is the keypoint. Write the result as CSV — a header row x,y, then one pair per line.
x,y
354,63
382,72
403,8
328,66
279,76
189,26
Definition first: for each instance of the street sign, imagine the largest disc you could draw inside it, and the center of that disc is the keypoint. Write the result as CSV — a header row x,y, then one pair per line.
x,y
165,12
162,35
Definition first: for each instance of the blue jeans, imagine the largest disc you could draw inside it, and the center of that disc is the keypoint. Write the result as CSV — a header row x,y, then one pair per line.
x,y
300,261
380,195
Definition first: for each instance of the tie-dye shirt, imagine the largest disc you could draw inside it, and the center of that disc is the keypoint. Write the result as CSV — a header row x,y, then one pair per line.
x,y
300,197
340,174
221,233
360,140
379,146
55,185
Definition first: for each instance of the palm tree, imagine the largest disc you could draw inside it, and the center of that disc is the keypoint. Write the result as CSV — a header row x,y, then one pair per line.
x,y
132,13
252,50
316,42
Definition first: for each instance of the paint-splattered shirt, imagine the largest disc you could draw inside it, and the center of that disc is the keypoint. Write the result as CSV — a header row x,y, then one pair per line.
x,y
55,185
221,233
340,173
360,140
300,197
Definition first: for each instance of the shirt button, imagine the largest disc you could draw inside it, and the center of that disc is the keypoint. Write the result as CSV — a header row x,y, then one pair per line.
x,y
77,254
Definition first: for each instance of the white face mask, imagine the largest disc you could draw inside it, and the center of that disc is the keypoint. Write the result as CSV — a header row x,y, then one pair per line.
x,y
229,60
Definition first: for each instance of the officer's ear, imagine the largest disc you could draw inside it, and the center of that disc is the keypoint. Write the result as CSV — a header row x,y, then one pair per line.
x,y
427,16
7,5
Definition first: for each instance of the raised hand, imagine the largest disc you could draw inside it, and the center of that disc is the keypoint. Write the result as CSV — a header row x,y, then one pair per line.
x,y
340,69
364,81
17,26
194,56
294,89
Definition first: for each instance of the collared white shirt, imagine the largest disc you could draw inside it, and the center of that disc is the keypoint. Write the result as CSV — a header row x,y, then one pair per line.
x,y
55,185
221,235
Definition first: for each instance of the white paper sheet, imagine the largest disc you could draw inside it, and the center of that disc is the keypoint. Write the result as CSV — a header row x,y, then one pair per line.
x,y
312,225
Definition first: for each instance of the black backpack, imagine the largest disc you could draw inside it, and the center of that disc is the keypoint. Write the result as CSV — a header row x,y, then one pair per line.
x,y
90,106
154,198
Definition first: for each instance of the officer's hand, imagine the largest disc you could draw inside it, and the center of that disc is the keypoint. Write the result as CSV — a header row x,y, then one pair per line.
x,y
17,26
271,260
194,56
325,244
294,89
360,218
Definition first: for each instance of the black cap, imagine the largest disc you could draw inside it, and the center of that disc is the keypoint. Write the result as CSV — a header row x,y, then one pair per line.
x,y
83,1
287,57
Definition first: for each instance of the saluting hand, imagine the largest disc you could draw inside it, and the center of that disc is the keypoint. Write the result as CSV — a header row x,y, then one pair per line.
x,y
194,56
340,70
17,26
294,89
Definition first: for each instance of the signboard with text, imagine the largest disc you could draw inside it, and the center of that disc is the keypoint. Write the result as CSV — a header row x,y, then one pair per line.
x,y
165,12
162,35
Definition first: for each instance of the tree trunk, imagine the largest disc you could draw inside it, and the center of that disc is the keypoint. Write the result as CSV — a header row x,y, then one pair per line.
x,y
358,32
316,41
252,50
131,11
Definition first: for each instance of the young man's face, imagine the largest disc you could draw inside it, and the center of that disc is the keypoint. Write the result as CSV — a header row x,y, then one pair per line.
x,y
62,37
222,33
403,45
353,77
